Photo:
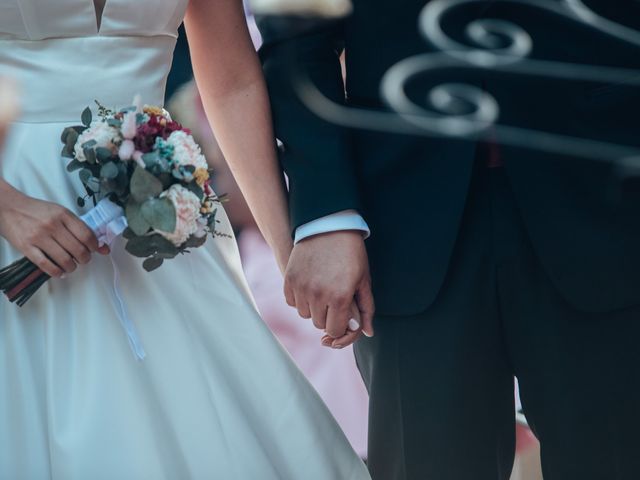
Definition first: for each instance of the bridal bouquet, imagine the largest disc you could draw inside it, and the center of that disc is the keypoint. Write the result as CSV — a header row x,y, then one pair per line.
x,y
148,180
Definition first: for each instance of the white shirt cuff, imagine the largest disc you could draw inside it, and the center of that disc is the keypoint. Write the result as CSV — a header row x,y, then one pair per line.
x,y
336,222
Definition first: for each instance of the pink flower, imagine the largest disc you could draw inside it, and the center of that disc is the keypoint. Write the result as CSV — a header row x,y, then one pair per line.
x,y
127,149
187,206
129,125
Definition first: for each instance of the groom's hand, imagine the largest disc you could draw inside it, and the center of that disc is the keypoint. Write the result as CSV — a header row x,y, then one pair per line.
x,y
324,275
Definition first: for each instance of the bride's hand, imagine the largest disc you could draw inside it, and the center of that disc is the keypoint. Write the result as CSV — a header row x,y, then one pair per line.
x,y
49,235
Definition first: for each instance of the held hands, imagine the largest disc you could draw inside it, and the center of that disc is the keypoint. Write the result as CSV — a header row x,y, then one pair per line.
x,y
49,235
325,274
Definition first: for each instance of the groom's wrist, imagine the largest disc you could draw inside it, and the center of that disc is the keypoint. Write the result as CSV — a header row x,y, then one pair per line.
x,y
336,222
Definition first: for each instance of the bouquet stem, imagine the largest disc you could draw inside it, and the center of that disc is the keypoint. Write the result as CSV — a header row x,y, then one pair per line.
x,y
21,280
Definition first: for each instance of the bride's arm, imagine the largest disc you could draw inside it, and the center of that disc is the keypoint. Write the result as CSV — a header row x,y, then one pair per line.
x,y
52,237
234,95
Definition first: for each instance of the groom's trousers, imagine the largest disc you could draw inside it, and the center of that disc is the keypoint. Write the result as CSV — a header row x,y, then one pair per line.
x,y
441,383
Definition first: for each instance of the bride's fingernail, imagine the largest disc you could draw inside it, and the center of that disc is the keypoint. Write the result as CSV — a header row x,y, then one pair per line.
x,y
354,325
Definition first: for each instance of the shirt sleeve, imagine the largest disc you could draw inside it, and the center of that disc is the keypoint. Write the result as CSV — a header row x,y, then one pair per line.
x,y
340,221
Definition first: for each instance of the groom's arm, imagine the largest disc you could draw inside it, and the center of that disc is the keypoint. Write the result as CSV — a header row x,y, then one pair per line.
x,y
328,267
315,155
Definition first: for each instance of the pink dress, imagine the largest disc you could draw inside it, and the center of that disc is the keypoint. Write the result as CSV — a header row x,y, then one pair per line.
x,y
333,373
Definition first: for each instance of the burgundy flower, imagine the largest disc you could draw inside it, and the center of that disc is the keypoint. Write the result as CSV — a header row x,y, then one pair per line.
x,y
157,126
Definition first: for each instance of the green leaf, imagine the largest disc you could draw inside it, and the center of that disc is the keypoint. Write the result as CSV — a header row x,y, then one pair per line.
x,y
85,175
150,264
166,179
195,242
194,188
114,122
93,184
65,134
128,233
137,222
141,247
109,170
144,185
150,158
103,154
86,117
66,153
163,246
107,187
160,213
74,165
90,154
70,139
212,219
148,245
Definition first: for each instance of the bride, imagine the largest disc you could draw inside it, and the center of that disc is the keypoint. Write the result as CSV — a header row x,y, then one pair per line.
x,y
216,397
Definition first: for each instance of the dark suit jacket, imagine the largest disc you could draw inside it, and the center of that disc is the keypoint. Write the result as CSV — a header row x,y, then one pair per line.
x,y
412,190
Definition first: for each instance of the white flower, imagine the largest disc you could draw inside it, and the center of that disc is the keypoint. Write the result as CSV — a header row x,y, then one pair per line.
x,y
187,206
127,149
323,8
186,151
129,125
104,135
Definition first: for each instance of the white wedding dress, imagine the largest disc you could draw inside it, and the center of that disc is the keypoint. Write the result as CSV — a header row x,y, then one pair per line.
x,y
216,396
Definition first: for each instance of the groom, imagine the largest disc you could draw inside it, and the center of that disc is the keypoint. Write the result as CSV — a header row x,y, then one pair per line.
x,y
487,260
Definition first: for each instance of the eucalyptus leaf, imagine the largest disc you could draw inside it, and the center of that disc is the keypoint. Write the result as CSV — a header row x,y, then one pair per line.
x,y
90,154
85,175
65,134
114,122
86,117
128,233
89,144
163,246
160,213
66,153
74,165
194,188
107,186
141,247
150,158
72,138
70,142
137,223
195,242
103,154
151,264
93,184
109,170
144,185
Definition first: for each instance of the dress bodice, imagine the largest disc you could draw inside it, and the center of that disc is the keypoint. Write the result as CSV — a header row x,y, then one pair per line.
x,y
64,61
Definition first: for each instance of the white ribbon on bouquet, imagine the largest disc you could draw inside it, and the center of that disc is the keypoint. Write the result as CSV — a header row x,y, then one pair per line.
x,y
107,221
